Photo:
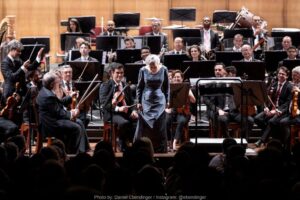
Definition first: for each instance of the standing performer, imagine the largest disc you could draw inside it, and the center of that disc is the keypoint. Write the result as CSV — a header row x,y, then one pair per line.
x,y
153,91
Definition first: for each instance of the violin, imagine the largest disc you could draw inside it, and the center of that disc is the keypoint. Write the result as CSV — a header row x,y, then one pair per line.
x,y
119,96
11,104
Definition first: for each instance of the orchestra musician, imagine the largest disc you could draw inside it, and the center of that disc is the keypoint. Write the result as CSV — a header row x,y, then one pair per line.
x,y
280,95
292,53
85,49
194,52
247,53
286,43
210,39
110,29
291,109
221,109
258,31
156,31
237,43
179,115
118,109
153,95
145,51
73,26
14,69
56,120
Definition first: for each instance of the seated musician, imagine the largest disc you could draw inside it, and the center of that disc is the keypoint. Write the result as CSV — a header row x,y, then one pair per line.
x,y
247,53
194,53
178,46
85,49
116,100
258,32
221,109
286,43
110,29
56,120
179,115
237,43
68,88
145,51
279,93
292,116
73,26
292,53
14,69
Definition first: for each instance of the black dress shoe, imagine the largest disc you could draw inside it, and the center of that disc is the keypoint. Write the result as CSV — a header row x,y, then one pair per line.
x,y
258,143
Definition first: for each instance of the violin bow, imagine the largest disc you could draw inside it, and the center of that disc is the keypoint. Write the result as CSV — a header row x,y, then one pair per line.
x,y
32,50
85,93
79,78
85,98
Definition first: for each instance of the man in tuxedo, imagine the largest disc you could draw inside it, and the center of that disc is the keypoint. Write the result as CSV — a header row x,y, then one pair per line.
x,y
56,120
85,49
292,53
221,109
247,53
156,31
237,43
14,69
280,94
120,111
210,39
145,51
110,29
178,47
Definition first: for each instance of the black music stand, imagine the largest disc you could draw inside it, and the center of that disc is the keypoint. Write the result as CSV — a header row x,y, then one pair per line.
x,y
153,42
31,50
91,70
174,61
87,23
45,40
107,43
249,93
196,69
252,70
295,35
227,57
224,16
125,20
290,64
131,72
272,58
245,32
203,90
182,14
68,40
128,55
94,53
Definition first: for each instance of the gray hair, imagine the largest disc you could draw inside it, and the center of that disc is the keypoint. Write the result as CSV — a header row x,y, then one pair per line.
x,y
49,79
296,69
14,45
152,58
65,67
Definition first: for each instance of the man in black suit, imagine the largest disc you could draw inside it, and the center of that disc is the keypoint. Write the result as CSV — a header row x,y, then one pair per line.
x,y
145,51
221,108
119,111
209,38
178,47
110,29
247,53
85,49
280,94
14,69
57,121
156,31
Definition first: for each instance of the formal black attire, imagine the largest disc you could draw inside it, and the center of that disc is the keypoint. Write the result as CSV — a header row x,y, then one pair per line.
x,y
214,40
226,103
271,124
110,112
106,33
90,59
55,121
12,73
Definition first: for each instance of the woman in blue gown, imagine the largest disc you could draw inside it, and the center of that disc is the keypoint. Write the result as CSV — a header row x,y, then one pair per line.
x,y
153,91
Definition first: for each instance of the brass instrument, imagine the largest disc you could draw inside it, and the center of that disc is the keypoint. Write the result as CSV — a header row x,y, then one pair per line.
x,y
294,108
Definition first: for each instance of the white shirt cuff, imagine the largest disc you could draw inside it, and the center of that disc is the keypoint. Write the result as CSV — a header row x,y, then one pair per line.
x,y
24,69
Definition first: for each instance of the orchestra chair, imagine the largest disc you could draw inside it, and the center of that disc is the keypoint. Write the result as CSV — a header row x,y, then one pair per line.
x,y
110,134
295,133
233,127
25,131
145,29
94,33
